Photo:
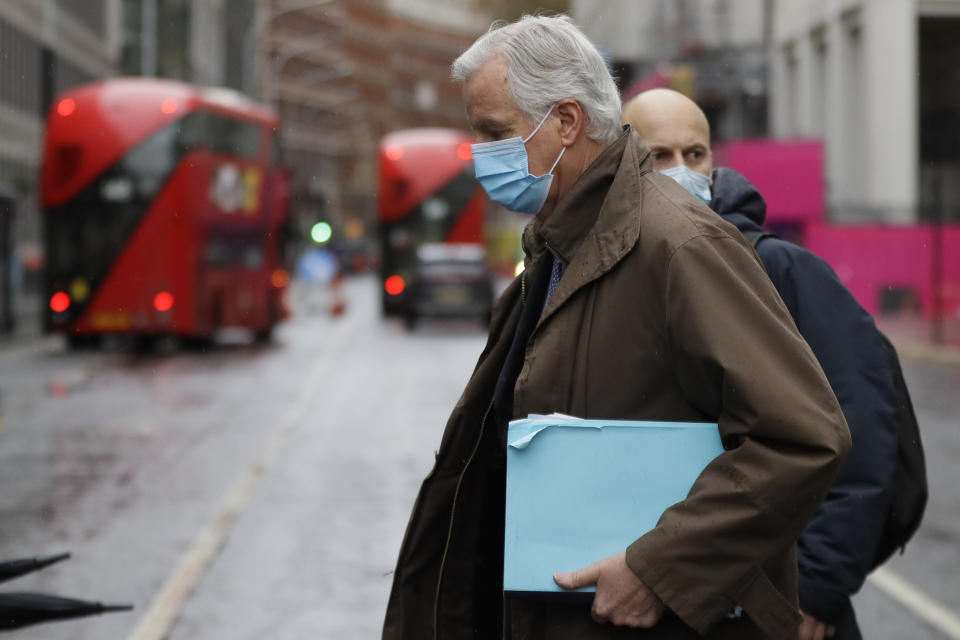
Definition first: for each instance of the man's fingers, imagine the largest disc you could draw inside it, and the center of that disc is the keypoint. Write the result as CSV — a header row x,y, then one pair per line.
x,y
806,628
638,618
819,631
831,631
599,619
578,578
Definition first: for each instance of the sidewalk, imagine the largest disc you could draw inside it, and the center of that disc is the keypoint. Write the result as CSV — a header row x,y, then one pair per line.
x,y
27,323
914,337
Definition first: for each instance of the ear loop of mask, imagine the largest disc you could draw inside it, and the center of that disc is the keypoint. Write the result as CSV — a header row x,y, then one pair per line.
x,y
557,161
542,120
534,132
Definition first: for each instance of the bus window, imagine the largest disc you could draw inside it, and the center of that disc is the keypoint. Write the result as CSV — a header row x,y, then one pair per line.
x,y
229,136
91,229
234,137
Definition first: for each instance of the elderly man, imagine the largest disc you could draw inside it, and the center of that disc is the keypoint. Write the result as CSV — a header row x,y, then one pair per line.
x,y
637,303
837,549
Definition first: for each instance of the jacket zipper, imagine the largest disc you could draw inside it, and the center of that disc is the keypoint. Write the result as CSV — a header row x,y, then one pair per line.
x,y
453,510
456,493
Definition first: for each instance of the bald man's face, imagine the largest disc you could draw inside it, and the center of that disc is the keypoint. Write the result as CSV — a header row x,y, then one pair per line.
x,y
676,133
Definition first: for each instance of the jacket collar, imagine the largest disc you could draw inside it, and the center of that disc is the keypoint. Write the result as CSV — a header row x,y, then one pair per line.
x,y
597,222
563,229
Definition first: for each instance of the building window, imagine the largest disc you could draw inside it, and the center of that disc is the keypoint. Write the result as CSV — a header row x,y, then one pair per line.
x,y
68,75
20,74
89,13
939,119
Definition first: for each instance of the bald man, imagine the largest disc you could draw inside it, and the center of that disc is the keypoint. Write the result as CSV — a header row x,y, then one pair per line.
x,y
675,130
839,546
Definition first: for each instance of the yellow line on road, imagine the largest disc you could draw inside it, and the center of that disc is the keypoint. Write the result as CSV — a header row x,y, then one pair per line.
x,y
157,623
919,603
160,618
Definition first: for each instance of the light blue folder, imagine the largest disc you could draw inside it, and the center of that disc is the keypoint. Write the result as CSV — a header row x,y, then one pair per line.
x,y
579,491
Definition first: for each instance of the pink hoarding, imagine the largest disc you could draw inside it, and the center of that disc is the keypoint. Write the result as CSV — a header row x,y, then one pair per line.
x,y
893,267
789,174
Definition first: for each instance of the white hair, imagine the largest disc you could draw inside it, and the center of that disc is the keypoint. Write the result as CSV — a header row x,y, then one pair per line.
x,y
549,59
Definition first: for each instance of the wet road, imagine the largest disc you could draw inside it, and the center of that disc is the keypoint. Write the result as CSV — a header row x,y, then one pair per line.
x,y
262,492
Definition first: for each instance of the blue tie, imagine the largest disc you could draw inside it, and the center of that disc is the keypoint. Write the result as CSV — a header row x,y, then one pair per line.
x,y
555,274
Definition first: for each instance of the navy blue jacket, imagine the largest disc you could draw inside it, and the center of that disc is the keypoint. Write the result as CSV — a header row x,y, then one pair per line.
x,y
836,551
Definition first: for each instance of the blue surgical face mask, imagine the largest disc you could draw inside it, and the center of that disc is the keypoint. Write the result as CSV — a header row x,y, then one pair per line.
x,y
503,170
693,181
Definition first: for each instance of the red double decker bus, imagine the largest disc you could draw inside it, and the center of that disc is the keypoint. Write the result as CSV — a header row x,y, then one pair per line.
x,y
432,213
164,207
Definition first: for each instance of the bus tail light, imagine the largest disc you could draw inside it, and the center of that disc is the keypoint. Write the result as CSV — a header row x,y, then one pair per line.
x,y
394,285
464,152
163,301
59,302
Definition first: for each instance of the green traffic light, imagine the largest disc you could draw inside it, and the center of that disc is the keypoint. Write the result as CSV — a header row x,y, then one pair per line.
x,y
321,232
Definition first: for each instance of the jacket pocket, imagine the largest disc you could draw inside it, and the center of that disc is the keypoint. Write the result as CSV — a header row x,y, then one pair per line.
x,y
776,616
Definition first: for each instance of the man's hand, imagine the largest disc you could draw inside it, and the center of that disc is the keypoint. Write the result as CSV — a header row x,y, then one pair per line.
x,y
813,629
621,597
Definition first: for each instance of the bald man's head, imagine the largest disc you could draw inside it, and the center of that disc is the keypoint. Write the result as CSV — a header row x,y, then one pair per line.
x,y
673,126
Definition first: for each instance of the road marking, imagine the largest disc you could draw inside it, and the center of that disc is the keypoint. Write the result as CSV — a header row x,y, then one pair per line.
x,y
919,603
158,621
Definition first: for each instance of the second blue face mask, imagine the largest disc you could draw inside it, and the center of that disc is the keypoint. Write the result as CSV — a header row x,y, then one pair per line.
x,y
503,171
693,181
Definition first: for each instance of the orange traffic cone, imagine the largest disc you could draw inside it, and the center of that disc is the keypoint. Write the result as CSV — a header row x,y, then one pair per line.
x,y
338,305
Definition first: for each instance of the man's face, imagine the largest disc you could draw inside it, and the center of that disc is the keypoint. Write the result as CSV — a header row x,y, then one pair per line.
x,y
676,133
494,116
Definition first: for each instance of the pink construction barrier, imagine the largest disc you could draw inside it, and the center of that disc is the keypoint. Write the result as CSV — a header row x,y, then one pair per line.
x,y
886,268
789,174
894,265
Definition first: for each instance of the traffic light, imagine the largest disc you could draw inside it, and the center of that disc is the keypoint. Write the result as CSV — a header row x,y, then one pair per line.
x,y
321,232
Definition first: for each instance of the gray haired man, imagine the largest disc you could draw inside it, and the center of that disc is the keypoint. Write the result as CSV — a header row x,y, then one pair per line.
x,y
637,303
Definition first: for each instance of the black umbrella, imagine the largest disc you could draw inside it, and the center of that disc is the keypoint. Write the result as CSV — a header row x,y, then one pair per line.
x,y
16,568
22,609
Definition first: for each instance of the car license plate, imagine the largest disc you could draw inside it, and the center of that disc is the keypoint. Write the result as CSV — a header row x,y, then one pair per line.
x,y
451,295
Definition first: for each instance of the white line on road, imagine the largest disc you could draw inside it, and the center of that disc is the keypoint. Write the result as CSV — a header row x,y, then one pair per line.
x,y
160,618
919,603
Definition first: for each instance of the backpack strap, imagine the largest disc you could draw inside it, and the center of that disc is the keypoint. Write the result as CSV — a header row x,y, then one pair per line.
x,y
754,237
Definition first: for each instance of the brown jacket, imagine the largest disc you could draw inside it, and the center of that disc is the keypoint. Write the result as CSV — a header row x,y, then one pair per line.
x,y
664,313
